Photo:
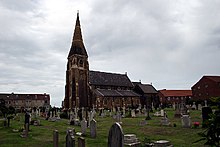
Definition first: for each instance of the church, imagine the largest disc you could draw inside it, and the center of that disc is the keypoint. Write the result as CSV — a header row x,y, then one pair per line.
x,y
94,89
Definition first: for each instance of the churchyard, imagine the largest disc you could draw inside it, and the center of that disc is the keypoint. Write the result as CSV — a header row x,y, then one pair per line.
x,y
146,131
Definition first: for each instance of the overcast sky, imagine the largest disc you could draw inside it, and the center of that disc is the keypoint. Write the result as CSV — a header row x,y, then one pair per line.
x,y
169,43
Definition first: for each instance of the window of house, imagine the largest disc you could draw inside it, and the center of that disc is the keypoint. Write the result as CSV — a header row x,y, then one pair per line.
x,y
105,101
168,98
198,87
206,86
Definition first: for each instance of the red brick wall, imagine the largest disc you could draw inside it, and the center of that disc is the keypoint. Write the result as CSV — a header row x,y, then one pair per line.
x,y
205,89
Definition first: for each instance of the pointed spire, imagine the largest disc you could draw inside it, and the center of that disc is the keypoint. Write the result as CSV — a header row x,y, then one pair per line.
x,y
77,42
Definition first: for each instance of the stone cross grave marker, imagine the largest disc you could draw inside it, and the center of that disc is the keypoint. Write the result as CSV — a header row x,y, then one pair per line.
x,y
93,128
116,136
194,106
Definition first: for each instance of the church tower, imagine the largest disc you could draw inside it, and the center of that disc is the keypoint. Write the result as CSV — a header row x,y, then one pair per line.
x,y
77,85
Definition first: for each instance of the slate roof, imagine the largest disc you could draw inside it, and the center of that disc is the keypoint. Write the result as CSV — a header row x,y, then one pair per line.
x,y
176,93
116,93
109,79
77,43
14,96
213,78
147,88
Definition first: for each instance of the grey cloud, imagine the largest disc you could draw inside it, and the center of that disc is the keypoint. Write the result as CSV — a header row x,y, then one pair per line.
x,y
169,43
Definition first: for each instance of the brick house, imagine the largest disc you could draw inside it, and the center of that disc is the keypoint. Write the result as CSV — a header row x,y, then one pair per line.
x,y
171,96
206,87
26,101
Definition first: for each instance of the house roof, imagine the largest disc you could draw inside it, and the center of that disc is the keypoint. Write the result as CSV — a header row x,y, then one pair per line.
x,y
109,79
14,96
147,88
213,78
116,93
176,93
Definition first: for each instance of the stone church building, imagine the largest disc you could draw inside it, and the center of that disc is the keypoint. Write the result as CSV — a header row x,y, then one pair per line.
x,y
89,89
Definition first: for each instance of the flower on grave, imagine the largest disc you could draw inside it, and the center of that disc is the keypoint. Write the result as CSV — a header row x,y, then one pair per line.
x,y
196,124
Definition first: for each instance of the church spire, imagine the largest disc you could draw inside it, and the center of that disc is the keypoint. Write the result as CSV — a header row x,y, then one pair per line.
x,y
77,42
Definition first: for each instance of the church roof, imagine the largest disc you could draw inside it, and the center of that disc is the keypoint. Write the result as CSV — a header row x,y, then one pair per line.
x,y
77,46
109,79
116,93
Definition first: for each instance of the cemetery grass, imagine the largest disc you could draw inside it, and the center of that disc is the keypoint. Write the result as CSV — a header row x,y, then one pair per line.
x,y
42,136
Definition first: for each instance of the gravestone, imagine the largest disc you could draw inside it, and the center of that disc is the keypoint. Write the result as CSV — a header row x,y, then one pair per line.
x,y
145,110
81,142
206,105
157,113
58,115
174,106
183,109
199,107
194,106
90,118
70,139
118,117
114,110
162,143
143,122
116,136
25,131
186,121
27,120
75,113
93,128
162,113
55,138
123,115
131,140
177,113
133,113
83,126
206,112
165,121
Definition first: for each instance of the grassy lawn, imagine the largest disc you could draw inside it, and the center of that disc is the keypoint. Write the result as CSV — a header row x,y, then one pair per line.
x,y
42,136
